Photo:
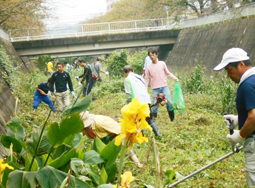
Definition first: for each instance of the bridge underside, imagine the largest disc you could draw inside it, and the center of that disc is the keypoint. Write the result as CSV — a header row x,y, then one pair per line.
x,y
96,45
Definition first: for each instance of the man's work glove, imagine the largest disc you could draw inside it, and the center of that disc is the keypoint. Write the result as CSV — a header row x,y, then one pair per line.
x,y
74,96
235,137
77,77
107,73
79,84
232,118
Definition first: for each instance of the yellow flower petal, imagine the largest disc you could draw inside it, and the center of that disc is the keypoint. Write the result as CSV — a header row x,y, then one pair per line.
x,y
3,167
126,179
119,139
140,138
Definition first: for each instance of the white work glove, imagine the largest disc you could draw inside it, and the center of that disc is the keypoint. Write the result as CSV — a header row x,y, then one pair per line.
x,y
77,77
232,118
235,137
74,96
49,93
107,73
79,84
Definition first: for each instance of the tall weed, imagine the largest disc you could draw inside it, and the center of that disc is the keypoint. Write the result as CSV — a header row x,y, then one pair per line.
x,y
220,88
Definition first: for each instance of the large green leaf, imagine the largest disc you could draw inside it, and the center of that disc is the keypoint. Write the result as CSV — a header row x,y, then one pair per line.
x,y
110,153
44,146
7,140
78,140
69,140
15,129
76,165
71,124
21,179
63,159
80,105
49,177
103,176
98,145
28,160
80,168
111,172
92,157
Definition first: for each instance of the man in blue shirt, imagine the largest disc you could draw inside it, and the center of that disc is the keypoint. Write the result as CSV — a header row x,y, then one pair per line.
x,y
239,69
41,94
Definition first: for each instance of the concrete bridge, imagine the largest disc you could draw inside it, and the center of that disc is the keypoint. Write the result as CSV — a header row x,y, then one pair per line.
x,y
95,45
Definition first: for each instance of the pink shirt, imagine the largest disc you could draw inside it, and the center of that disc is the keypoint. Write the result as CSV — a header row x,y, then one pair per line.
x,y
156,75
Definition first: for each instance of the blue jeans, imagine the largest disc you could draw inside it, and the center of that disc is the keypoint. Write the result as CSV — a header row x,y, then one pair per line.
x,y
165,90
45,98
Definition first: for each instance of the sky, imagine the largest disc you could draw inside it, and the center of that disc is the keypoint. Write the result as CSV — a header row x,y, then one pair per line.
x,y
67,12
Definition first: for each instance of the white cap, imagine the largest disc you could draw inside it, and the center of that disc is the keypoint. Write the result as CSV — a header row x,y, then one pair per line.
x,y
230,56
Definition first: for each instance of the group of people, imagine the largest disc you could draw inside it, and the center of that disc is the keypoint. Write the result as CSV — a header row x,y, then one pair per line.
x,y
235,61
61,79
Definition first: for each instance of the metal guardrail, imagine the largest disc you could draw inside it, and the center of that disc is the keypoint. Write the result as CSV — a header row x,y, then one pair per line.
x,y
129,26
92,29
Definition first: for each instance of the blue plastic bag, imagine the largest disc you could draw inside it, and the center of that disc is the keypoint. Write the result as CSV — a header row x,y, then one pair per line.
x,y
178,101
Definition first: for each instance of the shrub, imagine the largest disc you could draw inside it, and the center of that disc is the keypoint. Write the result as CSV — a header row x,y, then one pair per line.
x,y
195,82
136,60
40,63
116,61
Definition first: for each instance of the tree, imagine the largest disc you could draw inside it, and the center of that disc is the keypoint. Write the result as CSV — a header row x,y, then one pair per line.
x,y
22,14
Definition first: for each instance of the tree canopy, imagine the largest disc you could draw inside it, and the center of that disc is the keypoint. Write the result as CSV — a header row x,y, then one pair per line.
x,y
176,9
22,14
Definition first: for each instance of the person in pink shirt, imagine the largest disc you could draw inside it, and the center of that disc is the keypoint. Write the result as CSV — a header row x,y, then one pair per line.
x,y
155,75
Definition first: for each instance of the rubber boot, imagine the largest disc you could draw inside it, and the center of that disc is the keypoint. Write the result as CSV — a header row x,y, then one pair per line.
x,y
155,129
171,115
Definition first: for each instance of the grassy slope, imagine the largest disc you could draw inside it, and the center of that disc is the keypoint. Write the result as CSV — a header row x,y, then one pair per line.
x,y
192,141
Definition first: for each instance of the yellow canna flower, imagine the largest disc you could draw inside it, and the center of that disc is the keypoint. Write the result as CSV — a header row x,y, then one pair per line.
x,y
3,167
126,179
134,120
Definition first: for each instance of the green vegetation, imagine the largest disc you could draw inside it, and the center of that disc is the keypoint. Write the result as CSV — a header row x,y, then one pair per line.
x,y
192,141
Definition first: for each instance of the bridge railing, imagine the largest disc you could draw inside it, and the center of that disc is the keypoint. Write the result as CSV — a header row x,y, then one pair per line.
x,y
91,29
128,26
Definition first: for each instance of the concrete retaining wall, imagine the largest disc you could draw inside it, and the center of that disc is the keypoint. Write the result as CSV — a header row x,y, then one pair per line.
x,y
3,34
207,44
7,101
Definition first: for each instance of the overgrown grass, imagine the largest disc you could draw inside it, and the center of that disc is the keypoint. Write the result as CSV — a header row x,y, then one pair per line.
x,y
192,141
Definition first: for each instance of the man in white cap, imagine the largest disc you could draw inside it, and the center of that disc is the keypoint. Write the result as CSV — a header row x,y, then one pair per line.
x,y
239,69
105,128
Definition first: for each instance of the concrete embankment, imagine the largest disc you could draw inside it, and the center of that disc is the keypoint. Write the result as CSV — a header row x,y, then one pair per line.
x,y
7,100
207,44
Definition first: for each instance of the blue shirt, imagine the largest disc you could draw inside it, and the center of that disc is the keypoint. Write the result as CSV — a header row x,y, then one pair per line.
x,y
147,62
43,86
245,99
